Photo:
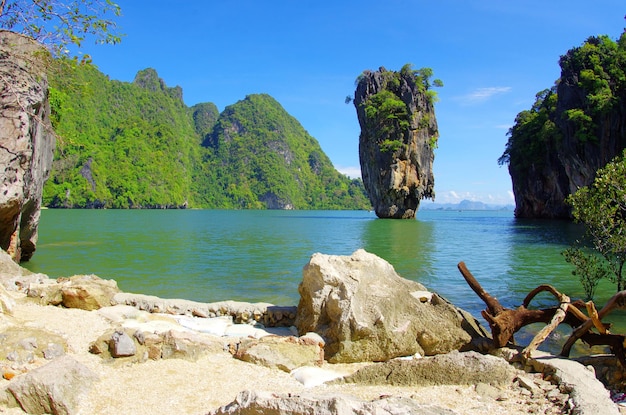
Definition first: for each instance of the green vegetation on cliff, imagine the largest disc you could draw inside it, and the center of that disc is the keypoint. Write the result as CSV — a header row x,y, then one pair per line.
x,y
594,79
133,145
388,113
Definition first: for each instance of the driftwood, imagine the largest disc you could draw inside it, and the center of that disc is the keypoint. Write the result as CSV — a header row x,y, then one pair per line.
x,y
505,322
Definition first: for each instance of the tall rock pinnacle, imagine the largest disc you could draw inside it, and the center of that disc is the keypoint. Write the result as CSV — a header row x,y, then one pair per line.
x,y
398,136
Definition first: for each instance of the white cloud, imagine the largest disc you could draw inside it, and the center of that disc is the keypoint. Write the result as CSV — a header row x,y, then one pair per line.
x,y
350,171
452,196
480,95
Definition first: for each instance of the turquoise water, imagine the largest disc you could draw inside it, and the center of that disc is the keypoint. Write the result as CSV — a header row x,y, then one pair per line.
x,y
212,255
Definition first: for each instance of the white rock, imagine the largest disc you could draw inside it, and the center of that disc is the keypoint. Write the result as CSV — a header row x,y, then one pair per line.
x,y
311,376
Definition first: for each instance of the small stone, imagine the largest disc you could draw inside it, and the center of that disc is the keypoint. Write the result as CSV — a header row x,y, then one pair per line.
x,y
121,345
487,391
29,343
199,313
54,350
140,337
526,383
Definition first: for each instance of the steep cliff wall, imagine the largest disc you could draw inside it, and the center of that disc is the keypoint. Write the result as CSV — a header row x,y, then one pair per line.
x,y
572,130
26,142
398,136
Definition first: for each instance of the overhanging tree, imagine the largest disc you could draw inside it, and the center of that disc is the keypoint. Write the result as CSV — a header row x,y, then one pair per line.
x,y
602,208
59,24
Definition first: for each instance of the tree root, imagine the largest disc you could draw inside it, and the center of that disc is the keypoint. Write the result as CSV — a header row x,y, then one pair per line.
x,y
505,322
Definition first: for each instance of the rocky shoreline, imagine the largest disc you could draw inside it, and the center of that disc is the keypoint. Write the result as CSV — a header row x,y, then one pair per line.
x,y
80,346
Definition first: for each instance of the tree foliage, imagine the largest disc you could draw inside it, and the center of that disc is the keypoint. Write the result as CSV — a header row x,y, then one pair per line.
x,y
389,114
533,132
602,208
262,156
137,145
598,70
58,24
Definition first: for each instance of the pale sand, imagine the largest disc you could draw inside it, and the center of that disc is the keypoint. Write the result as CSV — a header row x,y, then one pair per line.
x,y
177,386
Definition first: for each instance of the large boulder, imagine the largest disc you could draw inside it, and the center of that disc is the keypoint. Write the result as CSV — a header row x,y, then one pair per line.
x,y
26,142
55,388
366,312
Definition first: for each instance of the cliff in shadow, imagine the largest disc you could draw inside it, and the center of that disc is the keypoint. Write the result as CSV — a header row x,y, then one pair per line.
x,y
26,141
572,130
398,137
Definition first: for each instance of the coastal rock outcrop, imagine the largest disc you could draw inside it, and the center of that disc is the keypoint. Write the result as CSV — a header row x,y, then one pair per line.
x,y
398,136
26,142
366,312
572,130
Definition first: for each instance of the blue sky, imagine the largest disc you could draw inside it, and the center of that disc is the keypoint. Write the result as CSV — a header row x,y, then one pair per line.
x,y
492,56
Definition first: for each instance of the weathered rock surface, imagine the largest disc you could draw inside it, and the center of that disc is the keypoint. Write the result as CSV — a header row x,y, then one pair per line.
x,y
87,292
16,278
251,402
55,388
396,150
21,345
366,312
588,395
265,313
468,368
284,353
566,163
136,346
26,142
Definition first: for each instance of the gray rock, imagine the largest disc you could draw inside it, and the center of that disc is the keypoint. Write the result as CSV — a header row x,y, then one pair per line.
x,y
366,312
53,351
587,394
122,345
251,403
27,142
55,388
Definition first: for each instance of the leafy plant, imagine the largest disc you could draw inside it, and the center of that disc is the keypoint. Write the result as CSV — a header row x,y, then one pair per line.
x,y
58,23
588,267
602,208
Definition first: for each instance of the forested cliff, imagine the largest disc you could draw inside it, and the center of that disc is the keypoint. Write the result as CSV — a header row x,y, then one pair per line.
x,y
572,130
137,145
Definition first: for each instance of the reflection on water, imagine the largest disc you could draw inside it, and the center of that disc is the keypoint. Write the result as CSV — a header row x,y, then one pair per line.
x,y
407,244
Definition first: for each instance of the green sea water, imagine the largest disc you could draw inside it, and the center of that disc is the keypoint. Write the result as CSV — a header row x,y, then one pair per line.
x,y
213,255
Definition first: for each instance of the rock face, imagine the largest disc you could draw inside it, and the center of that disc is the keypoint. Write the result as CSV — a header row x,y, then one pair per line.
x,y
26,142
550,160
366,312
396,145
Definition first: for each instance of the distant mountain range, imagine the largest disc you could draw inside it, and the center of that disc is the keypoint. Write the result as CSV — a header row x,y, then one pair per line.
x,y
465,205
